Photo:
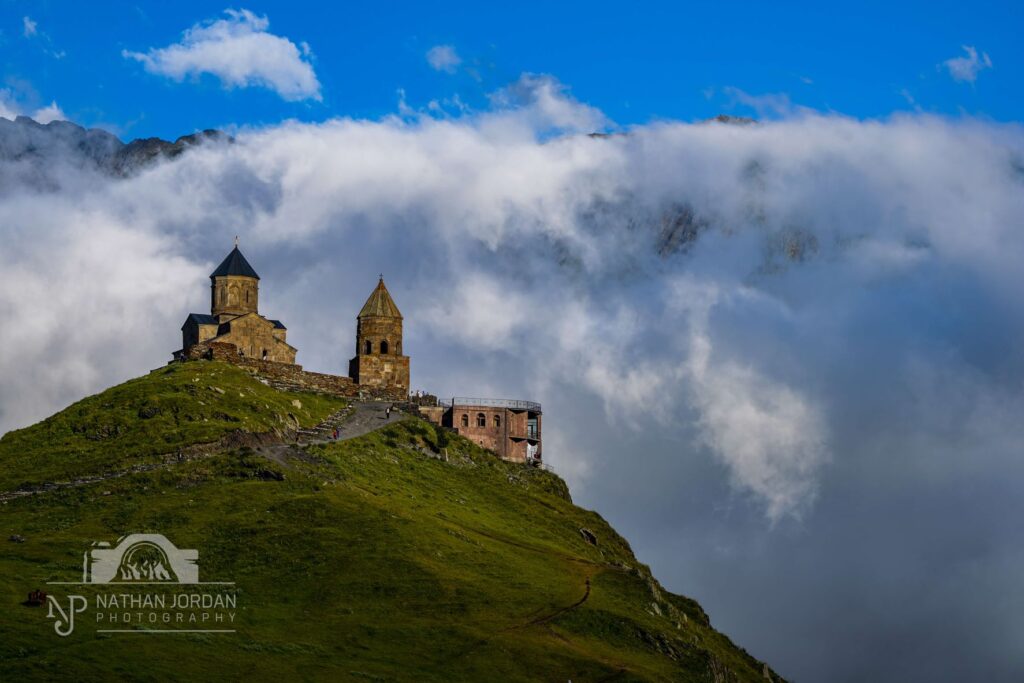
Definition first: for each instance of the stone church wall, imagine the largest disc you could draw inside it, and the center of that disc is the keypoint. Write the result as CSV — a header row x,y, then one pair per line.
x,y
255,336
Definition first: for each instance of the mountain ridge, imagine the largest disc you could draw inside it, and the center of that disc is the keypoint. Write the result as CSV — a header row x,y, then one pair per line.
x,y
27,141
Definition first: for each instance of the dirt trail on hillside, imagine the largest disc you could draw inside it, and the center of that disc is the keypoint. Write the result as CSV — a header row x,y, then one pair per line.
x,y
541,620
618,669
361,418
353,421
559,612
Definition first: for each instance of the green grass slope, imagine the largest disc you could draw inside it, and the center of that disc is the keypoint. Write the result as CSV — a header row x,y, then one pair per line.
x,y
138,422
370,559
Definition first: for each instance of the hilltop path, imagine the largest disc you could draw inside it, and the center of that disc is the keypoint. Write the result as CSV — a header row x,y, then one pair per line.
x,y
361,417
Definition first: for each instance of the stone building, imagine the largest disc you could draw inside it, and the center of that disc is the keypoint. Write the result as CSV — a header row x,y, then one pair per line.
x,y
235,332
234,316
510,428
379,361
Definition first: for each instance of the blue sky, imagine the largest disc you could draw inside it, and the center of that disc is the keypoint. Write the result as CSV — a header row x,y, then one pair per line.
x,y
636,62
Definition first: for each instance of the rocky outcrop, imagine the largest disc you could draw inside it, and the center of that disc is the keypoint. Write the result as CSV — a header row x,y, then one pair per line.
x,y
731,120
35,153
142,152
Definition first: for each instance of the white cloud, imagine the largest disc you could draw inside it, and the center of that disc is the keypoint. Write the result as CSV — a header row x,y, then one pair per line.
x,y
12,106
544,104
767,105
49,113
9,108
30,29
768,434
241,53
967,68
443,58
483,309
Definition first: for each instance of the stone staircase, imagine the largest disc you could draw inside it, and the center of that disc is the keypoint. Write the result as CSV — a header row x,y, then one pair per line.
x,y
360,417
324,431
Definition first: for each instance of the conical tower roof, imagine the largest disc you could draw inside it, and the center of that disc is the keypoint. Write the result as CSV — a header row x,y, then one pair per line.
x,y
380,304
235,264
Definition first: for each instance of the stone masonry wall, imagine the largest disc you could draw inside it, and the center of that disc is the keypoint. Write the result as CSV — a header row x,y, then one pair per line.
x,y
381,371
290,376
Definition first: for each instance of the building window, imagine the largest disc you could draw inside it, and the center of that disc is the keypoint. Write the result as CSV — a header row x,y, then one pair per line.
x,y
368,347
465,420
481,420
247,296
497,421
384,347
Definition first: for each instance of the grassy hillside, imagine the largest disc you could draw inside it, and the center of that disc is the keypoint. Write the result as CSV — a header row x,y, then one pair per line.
x,y
369,559
141,420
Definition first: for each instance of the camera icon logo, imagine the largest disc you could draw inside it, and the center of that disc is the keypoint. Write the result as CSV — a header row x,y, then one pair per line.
x,y
140,558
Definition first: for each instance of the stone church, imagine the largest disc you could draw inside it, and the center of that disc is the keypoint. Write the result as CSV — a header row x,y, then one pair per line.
x,y
235,331
234,315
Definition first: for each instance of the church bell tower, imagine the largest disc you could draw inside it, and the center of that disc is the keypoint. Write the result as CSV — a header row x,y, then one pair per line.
x,y
379,362
235,287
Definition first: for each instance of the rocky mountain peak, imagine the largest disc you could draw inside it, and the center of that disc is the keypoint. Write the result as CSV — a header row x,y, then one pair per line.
x,y
30,150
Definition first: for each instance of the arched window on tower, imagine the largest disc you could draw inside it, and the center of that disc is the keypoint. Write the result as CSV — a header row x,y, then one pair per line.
x,y
368,347
384,347
481,420
398,347
465,420
497,421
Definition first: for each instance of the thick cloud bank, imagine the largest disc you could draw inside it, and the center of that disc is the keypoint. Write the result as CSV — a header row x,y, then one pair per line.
x,y
783,358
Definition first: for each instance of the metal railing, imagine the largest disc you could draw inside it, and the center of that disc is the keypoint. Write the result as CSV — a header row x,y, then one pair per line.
x,y
490,403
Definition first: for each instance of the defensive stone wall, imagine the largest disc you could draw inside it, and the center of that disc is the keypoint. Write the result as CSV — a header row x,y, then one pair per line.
x,y
289,376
